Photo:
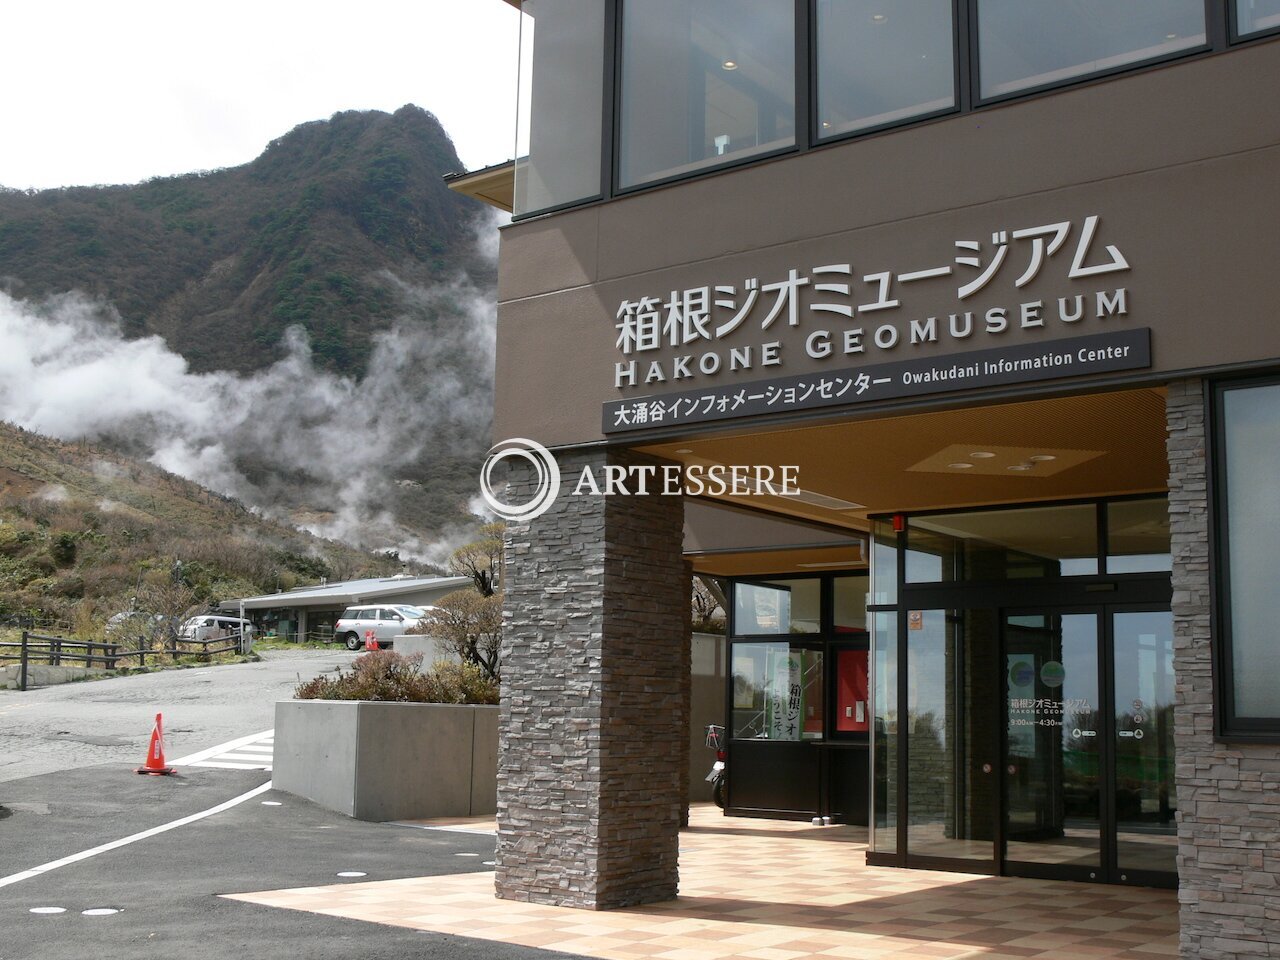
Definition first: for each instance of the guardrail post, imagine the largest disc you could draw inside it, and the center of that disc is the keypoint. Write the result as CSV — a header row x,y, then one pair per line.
x,y
22,672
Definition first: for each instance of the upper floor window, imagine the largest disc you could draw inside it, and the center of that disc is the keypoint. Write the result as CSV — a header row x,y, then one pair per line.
x,y
560,115
1255,16
882,63
1247,457
703,82
621,94
1025,44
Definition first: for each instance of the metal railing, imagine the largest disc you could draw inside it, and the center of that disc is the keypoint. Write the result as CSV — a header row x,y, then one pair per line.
x,y
52,651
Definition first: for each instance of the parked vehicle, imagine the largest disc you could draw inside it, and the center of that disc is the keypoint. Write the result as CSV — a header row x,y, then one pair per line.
x,y
386,621
715,741
215,627
134,623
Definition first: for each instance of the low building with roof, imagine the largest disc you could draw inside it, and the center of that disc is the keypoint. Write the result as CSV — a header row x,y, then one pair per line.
x,y
310,612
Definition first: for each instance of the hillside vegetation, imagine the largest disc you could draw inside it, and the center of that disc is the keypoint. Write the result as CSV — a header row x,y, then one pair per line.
x,y
342,229
86,532
221,263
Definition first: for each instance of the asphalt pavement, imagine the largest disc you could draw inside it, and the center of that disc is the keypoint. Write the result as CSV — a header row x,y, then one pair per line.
x,y
166,887
74,725
67,786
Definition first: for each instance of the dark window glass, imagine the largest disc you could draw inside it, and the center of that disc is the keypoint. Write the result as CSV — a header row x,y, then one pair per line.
x,y
777,692
777,606
884,563
704,82
849,597
950,666
881,63
1138,536
1146,798
1255,16
1003,544
558,122
1023,44
884,796
1249,461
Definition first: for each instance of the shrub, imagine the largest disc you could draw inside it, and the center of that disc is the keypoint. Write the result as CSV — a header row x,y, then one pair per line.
x,y
388,676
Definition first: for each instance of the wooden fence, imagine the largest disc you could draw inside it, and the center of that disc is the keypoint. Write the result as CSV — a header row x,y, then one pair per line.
x,y
54,651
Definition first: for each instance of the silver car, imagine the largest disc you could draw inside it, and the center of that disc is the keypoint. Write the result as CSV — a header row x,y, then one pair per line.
x,y
384,621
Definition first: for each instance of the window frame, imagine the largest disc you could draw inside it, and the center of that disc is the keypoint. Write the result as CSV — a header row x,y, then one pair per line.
x,y
802,121
1228,725
960,66
1221,35
1212,9
1233,27
825,641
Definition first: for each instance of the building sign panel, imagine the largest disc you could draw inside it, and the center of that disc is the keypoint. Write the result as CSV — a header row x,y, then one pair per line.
x,y
1001,366
840,311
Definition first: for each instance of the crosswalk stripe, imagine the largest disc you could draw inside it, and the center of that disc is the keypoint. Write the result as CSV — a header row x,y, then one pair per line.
x,y
254,752
229,766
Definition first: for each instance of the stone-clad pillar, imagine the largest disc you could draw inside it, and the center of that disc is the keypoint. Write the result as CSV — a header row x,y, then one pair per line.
x,y
595,701
1228,794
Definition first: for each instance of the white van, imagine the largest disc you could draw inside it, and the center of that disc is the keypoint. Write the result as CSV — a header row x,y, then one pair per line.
x,y
215,627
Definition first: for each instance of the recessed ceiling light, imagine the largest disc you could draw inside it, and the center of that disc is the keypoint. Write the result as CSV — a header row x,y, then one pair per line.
x,y
878,18
729,65
960,466
826,124
1171,36
1019,466
982,455
1042,458
684,450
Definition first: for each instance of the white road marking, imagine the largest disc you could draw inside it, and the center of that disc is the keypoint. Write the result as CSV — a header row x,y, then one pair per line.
x,y
221,765
254,752
424,826
125,841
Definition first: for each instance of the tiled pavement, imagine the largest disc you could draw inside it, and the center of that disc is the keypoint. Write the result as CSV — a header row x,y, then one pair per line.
x,y
765,890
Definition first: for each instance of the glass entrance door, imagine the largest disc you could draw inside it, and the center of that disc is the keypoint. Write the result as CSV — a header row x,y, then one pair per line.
x,y
1052,769
1146,832
1088,747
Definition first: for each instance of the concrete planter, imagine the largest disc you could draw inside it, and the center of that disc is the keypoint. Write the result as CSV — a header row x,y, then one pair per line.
x,y
388,761
433,649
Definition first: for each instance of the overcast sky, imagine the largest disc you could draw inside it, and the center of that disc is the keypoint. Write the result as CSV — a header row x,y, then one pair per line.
x,y
99,92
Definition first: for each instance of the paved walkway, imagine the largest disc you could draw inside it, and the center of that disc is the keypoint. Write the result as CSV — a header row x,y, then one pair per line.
x,y
765,890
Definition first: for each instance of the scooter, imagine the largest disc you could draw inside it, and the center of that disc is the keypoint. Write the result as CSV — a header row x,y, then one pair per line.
x,y
715,741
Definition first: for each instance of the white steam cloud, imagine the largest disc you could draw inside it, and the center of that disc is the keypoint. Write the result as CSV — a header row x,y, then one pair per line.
x,y
298,443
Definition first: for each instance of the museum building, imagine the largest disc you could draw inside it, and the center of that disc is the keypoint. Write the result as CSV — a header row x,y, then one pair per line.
x,y
997,280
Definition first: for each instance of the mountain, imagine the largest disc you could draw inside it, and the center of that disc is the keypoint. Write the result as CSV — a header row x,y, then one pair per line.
x,y
221,263
334,282
84,531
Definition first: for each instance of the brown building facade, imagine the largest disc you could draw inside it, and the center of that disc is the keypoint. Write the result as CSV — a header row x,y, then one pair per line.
x,y
996,282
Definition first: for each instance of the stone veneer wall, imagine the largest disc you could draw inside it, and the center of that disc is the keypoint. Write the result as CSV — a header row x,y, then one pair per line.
x,y
1228,801
593,752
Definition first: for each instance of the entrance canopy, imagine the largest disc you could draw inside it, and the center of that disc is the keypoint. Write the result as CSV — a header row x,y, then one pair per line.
x,y
1094,445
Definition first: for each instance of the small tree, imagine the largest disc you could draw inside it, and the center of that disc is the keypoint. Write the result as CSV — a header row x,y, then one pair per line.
x,y
706,604
171,601
472,626
481,560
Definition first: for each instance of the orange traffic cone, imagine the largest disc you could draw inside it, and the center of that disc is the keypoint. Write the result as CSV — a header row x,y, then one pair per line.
x,y
155,765
370,641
